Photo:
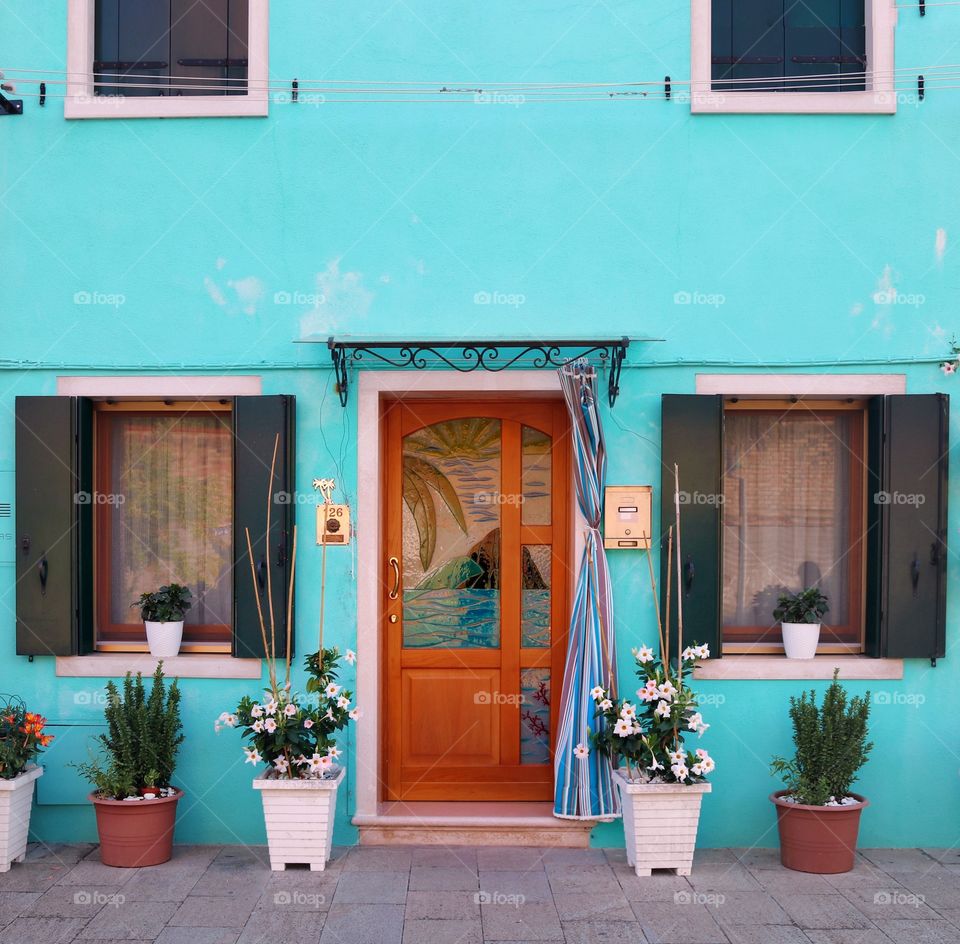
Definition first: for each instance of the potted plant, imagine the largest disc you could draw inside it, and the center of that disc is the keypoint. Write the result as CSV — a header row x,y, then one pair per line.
x,y
292,736
140,746
800,615
662,782
817,814
162,613
21,741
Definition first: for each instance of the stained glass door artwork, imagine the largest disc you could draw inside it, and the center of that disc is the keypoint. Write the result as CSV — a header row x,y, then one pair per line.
x,y
475,594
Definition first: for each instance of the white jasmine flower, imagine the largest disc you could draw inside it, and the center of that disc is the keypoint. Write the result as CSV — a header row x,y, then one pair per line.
x,y
662,710
343,702
270,707
694,721
597,692
333,751
655,766
701,753
680,771
628,711
606,704
708,764
581,751
355,714
282,765
702,651
308,723
253,756
350,656
257,726
290,710
667,690
688,654
623,728
697,770
256,711
949,368
331,690
270,725
649,691
644,654
676,756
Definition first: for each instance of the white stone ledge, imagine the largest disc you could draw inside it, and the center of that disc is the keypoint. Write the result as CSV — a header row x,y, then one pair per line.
x,y
780,667
198,665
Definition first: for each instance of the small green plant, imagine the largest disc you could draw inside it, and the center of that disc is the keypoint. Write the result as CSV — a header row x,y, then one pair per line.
x,y
807,606
143,735
830,745
166,605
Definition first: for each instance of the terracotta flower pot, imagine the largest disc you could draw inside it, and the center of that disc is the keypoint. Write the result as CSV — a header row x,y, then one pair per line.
x,y
820,839
135,833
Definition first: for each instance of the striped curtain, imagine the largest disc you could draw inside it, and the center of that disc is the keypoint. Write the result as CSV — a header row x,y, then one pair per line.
x,y
583,787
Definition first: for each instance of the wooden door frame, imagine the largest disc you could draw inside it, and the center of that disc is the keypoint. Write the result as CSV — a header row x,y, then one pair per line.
x,y
371,388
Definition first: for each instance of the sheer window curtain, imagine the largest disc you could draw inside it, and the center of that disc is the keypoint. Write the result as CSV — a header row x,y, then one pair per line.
x,y
787,494
174,524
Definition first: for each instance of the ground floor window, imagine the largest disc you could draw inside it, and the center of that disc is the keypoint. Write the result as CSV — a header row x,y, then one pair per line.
x,y
793,517
164,481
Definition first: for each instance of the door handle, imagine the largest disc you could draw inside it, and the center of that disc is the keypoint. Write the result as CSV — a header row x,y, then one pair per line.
x,y
395,592
42,570
689,571
915,574
261,573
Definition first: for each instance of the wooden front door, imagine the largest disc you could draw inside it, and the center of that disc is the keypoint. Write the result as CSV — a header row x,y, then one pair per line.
x,y
476,577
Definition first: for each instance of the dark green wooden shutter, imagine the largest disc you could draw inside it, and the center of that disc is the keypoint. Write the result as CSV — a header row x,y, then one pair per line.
x,y
692,438
256,423
757,41
53,510
907,541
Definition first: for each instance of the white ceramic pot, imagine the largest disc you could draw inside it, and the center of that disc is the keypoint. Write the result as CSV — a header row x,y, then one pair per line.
x,y
16,802
164,638
299,818
660,823
800,639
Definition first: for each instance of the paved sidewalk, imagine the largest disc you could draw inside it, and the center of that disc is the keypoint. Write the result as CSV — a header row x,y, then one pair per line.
x,y
418,895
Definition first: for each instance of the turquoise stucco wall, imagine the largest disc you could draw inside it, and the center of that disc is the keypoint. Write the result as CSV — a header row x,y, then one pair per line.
x,y
598,218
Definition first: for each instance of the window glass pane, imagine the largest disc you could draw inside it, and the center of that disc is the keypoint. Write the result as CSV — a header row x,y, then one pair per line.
x,y
139,45
451,535
535,476
535,716
174,523
535,599
786,514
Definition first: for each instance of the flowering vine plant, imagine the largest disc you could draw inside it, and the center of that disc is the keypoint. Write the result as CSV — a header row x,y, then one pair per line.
x,y
649,733
21,737
951,366
290,733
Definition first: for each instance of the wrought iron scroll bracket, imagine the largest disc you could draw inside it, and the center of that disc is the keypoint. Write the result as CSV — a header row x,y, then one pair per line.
x,y
468,356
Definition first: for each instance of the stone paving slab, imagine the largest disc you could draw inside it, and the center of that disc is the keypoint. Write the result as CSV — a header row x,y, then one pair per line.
x,y
449,895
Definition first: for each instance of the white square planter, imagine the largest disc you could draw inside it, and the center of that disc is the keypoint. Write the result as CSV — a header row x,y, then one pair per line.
x,y
299,818
660,823
16,802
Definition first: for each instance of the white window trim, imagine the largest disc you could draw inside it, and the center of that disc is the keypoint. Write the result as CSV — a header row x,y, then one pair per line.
x,y
738,665
879,98
80,101
106,664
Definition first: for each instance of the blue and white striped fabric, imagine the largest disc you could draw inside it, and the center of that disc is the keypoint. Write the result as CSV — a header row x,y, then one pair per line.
x,y
583,787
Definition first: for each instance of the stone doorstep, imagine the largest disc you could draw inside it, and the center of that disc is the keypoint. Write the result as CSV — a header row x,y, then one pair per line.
x,y
456,824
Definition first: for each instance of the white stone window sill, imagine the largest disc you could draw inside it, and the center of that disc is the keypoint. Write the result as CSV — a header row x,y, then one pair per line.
x,y
780,667
198,665
880,102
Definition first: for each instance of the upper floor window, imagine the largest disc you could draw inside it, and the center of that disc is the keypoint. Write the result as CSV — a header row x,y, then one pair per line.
x,y
170,47
805,56
821,44
166,58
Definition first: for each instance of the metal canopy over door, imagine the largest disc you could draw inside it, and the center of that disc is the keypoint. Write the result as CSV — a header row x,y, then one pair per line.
x,y
475,597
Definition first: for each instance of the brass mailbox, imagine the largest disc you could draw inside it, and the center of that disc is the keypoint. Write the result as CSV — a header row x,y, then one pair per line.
x,y
626,516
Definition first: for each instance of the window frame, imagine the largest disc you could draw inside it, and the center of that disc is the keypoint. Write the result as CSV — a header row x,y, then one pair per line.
x,y
857,518
82,102
880,98
109,636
